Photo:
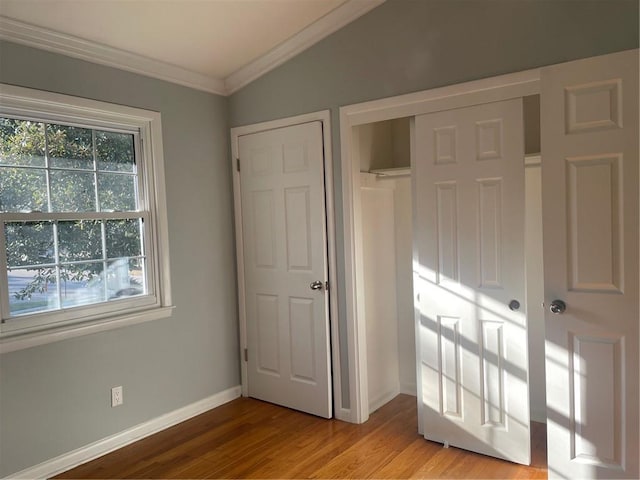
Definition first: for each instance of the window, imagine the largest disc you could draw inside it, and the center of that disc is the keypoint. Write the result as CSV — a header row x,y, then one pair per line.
x,y
82,217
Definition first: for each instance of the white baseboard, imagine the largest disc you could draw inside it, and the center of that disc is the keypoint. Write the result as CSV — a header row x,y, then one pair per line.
x,y
382,399
409,389
343,414
94,450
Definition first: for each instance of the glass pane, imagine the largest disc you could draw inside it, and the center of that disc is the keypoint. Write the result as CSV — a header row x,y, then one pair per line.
x,y
117,192
125,278
32,291
123,238
82,284
23,190
29,243
70,147
72,192
114,152
80,240
21,142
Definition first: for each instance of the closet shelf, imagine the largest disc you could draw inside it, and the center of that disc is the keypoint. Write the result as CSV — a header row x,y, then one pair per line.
x,y
392,172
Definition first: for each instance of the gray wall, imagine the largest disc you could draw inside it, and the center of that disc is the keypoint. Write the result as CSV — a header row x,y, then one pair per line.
x,y
56,397
412,45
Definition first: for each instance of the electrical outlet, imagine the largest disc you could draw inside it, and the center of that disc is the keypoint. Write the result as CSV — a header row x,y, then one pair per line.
x,y
116,396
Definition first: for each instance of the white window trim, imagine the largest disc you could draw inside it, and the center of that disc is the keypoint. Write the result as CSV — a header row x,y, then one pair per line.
x,y
19,101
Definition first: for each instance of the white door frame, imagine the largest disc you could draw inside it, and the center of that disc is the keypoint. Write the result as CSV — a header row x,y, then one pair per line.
x,y
236,132
487,90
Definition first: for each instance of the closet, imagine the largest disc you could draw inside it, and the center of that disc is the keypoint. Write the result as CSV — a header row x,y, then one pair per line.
x,y
385,193
384,151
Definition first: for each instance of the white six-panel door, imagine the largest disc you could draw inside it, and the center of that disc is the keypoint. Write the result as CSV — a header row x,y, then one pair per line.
x,y
589,117
285,252
469,233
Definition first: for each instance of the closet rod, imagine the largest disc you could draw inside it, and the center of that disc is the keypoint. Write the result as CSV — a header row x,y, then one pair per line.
x,y
391,172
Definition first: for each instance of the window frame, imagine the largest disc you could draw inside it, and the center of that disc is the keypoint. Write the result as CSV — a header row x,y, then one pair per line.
x,y
44,327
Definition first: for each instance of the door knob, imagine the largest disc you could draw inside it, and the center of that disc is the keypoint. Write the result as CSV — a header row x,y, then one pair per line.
x,y
317,285
514,305
558,307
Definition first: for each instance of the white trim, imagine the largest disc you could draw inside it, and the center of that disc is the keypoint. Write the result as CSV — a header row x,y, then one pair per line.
x,y
52,41
476,92
325,118
320,116
460,95
532,160
343,414
322,28
11,344
62,107
376,403
71,46
97,449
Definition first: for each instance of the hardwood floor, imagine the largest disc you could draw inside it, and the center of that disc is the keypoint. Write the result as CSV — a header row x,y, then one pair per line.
x,y
247,438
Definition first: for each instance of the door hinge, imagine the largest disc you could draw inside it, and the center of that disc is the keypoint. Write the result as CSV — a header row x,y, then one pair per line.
x,y
246,355
237,164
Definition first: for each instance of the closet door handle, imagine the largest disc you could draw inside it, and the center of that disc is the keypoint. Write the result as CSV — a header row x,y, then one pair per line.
x,y
317,285
558,307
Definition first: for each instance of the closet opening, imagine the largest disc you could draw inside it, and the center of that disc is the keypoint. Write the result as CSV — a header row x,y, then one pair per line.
x,y
387,249
383,152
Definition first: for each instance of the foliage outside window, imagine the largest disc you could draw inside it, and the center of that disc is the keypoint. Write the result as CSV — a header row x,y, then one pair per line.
x,y
76,221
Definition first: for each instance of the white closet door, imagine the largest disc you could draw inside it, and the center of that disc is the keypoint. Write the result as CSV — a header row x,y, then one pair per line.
x,y
589,116
285,260
469,229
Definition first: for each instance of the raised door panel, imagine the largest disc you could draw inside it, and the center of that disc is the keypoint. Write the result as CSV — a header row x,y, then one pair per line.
x,y
490,232
598,419
447,272
264,231
297,206
268,338
493,361
594,223
450,366
303,344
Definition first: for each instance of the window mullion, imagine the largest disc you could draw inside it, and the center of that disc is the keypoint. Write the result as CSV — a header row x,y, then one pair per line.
x,y
142,197
70,216
144,185
47,168
4,276
95,169
105,280
56,259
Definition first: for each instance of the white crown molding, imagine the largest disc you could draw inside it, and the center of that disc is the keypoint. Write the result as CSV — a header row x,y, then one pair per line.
x,y
57,42
84,454
325,26
45,39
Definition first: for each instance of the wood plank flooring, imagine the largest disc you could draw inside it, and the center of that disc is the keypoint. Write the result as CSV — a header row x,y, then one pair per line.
x,y
247,438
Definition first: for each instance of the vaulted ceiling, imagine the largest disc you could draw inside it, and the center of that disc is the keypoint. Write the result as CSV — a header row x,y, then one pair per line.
x,y
213,45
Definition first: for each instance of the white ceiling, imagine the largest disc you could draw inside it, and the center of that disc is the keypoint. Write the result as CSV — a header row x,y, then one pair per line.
x,y
213,45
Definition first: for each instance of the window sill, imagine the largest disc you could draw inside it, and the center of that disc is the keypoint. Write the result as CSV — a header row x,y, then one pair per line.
x,y
21,341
